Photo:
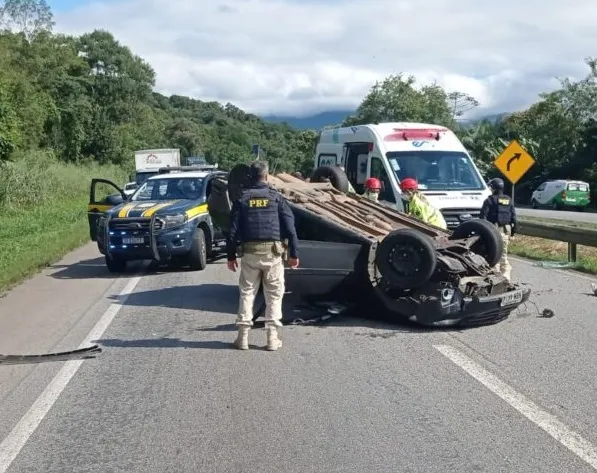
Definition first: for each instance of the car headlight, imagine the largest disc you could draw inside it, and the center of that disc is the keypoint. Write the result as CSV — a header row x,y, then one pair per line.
x,y
173,220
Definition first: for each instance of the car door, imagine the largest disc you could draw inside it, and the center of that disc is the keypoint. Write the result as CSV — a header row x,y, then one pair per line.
x,y
103,195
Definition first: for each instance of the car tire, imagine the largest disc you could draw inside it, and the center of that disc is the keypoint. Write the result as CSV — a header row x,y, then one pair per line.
x,y
198,253
418,262
490,242
534,204
115,265
337,177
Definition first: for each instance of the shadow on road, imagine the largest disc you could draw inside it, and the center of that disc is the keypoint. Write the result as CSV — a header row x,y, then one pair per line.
x,y
165,343
219,298
94,268
86,269
172,343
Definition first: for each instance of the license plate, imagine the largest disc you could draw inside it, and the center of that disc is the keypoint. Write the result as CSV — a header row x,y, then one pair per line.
x,y
133,240
511,298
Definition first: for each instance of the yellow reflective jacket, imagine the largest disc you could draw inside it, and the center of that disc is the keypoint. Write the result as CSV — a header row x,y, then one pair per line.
x,y
422,209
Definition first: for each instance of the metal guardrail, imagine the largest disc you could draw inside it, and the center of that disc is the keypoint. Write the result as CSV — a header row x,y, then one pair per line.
x,y
572,235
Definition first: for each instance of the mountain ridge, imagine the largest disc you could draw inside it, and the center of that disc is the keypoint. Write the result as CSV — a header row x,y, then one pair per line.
x,y
336,117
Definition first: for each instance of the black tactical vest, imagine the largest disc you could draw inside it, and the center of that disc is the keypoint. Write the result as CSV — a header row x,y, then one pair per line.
x,y
259,215
500,211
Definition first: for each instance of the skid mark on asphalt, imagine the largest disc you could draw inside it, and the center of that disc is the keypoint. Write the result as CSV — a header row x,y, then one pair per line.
x,y
543,419
18,437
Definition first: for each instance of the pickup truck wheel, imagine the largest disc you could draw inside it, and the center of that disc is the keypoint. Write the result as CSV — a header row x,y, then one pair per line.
x,y
198,253
115,265
406,258
336,176
490,242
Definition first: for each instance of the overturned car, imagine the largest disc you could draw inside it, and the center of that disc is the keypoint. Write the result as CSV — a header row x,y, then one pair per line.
x,y
352,249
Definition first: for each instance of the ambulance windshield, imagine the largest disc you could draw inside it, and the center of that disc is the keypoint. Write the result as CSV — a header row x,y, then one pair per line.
x,y
437,170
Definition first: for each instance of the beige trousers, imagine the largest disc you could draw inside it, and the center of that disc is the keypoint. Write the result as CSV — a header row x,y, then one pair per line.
x,y
504,266
256,269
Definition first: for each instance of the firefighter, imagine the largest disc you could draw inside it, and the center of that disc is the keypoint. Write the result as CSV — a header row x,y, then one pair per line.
x,y
372,189
260,219
419,206
499,209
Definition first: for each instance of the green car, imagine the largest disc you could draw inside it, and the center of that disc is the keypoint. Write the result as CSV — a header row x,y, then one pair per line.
x,y
561,194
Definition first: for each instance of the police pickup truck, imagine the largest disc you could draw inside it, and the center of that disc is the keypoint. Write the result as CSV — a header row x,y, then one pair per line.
x,y
165,219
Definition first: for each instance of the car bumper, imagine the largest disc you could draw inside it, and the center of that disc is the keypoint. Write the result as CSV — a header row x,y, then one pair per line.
x,y
471,311
161,246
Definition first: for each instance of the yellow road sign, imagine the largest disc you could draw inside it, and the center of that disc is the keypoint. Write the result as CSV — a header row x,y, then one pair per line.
x,y
514,162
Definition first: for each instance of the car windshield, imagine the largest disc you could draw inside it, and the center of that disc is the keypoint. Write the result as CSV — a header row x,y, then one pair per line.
x,y
170,188
575,186
141,177
437,170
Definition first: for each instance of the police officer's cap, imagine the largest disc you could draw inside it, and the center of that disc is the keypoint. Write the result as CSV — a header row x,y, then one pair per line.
x,y
496,184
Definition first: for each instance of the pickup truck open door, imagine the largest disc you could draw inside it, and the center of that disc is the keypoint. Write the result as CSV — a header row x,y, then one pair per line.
x,y
103,195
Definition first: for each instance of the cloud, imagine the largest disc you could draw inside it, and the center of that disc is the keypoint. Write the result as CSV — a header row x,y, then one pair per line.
x,y
297,57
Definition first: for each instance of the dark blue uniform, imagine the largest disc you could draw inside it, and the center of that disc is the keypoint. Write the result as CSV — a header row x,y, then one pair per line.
x,y
261,214
499,210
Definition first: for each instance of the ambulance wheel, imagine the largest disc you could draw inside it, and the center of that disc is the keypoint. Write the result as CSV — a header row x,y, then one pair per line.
x,y
336,176
406,258
198,253
489,244
115,265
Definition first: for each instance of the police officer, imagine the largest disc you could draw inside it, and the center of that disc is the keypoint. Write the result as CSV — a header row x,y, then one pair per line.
x,y
499,209
260,219
419,206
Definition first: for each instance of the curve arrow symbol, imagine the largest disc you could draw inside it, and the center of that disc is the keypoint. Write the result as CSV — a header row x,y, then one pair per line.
x,y
516,157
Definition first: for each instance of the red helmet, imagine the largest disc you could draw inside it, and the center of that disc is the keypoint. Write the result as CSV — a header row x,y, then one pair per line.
x,y
373,183
409,184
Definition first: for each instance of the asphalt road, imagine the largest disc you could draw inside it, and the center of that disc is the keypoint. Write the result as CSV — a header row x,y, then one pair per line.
x,y
558,215
170,394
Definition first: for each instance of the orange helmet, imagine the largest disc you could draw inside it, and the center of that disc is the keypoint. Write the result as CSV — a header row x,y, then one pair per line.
x,y
373,183
409,184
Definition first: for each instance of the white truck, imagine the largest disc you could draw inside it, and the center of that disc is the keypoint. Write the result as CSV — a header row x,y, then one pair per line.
x,y
148,162
431,154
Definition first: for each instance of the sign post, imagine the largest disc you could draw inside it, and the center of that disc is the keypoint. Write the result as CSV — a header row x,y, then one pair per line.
x,y
514,163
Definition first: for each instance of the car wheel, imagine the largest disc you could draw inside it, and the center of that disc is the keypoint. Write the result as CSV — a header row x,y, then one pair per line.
x,y
534,203
336,176
115,265
490,242
406,258
198,253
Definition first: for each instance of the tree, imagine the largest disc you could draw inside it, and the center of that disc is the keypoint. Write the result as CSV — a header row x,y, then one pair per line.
x,y
397,98
460,103
28,16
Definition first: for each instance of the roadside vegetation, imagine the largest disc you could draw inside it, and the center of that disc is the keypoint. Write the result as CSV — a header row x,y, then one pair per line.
x,y
77,107
550,251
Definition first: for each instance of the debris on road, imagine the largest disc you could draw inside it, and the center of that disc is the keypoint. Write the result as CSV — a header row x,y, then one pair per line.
x,y
80,354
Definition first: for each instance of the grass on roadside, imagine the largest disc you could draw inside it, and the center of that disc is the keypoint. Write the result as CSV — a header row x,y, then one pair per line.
x,y
43,213
541,249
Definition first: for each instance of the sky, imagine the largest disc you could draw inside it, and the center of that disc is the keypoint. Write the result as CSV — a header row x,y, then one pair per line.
x,y
302,57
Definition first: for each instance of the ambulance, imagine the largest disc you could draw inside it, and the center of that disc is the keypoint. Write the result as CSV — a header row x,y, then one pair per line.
x,y
431,154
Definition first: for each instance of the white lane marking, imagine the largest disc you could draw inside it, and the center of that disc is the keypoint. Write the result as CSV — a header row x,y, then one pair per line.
x,y
18,437
549,423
